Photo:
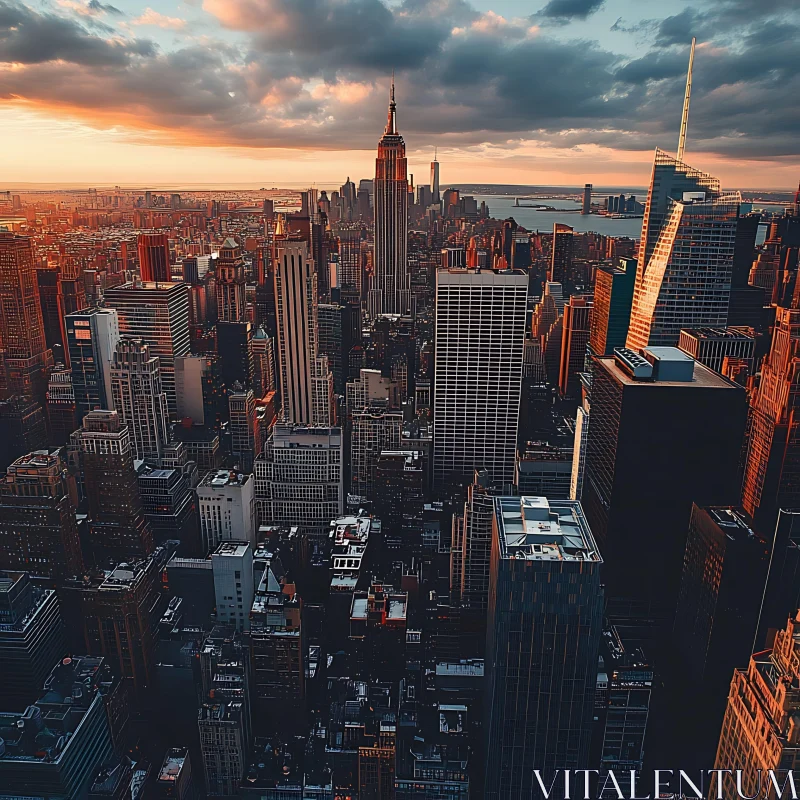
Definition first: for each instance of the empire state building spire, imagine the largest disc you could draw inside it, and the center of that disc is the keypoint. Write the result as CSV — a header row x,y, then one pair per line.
x,y
391,286
391,123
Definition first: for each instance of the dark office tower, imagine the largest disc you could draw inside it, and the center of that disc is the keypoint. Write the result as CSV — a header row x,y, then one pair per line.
x,y
665,432
722,585
38,529
264,356
744,250
586,207
116,612
685,267
546,613
391,293
332,344
159,315
61,416
711,346
71,716
611,313
574,340
154,257
480,337
509,231
139,399
23,428
245,441
25,355
773,451
434,187
399,485
350,266
561,255
231,306
31,639
265,290
118,529
782,591
235,350
169,505
50,300
92,337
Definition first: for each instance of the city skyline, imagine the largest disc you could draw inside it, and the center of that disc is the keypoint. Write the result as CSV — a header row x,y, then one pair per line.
x,y
267,91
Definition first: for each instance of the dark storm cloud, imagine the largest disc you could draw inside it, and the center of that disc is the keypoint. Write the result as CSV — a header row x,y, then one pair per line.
x,y
28,37
571,9
314,73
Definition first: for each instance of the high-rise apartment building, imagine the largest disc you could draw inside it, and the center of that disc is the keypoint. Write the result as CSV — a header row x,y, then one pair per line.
x,y
245,439
139,399
759,728
480,337
686,255
159,315
399,500
154,260
38,528
374,428
773,450
545,618
299,478
306,382
61,410
24,355
230,283
92,336
117,526
665,431
391,288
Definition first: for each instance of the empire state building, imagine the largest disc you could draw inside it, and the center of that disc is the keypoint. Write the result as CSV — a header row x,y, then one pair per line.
x,y
391,293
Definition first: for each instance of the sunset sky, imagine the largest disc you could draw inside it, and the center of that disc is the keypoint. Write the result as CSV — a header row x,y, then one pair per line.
x,y
279,92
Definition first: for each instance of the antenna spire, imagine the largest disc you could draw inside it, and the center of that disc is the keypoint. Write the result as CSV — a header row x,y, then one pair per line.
x,y
686,98
391,123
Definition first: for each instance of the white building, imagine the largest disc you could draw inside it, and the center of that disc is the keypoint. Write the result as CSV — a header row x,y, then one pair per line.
x,y
232,563
480,337
139,398
299,479
227,508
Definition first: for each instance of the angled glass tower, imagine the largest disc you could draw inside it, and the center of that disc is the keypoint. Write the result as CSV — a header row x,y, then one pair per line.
x,y
685,263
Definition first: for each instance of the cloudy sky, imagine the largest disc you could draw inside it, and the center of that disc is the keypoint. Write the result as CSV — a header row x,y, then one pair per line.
x,y
273,92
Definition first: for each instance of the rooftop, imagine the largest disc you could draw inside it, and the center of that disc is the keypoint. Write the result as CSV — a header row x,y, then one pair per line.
x,y
218,479
533,529
720,333
173,764
631,368
231,549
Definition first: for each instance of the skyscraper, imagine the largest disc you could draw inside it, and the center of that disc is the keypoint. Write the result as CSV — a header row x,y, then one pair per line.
x,y
611,313
685,264
758,731
575,338
586,206
306,382
561,255
544,622
118,529
392,281
92,336
159,315
140,399
154,259
24,355
38,529
773,450
665,431
480,336
435,195
231,306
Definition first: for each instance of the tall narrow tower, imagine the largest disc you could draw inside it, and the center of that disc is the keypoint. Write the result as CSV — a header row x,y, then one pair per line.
x,y
435,194
392,281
